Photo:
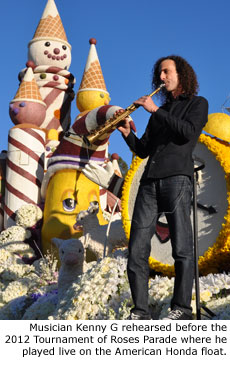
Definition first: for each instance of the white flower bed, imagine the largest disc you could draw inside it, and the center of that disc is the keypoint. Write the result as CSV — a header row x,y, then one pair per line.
x,y
28,215
14,234
102,292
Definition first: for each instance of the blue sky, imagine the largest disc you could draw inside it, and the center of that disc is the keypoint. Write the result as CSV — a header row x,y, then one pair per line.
x,y
131,36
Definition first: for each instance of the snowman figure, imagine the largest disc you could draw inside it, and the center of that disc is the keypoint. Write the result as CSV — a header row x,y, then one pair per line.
x,y
49,55
27,105
26,149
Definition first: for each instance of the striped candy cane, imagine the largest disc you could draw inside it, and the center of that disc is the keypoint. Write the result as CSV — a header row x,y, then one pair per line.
x,y
24,170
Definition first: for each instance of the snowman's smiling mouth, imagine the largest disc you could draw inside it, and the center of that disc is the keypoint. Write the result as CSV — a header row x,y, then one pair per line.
x,y
55,57
55,53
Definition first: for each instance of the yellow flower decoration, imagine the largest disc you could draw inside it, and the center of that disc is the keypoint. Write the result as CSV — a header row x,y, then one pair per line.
x,y
217,257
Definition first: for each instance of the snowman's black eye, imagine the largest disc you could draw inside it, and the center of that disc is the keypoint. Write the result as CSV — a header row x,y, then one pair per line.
x,y
47,44
64,47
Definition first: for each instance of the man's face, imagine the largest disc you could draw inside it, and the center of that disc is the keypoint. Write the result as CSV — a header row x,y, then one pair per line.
x,y
169,76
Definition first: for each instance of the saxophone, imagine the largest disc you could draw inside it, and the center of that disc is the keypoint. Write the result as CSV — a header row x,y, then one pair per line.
x,y
111,123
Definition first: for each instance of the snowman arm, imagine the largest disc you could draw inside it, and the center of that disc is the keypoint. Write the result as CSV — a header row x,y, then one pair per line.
x,y
98,174
105,177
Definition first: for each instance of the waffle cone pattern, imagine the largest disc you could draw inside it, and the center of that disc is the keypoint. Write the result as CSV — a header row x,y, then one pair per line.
x,y
93,77
50,27
28,90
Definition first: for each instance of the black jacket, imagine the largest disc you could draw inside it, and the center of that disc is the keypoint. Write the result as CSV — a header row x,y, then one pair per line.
x,y
170,137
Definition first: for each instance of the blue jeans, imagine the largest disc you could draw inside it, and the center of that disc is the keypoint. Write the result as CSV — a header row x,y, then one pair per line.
x,y
171,195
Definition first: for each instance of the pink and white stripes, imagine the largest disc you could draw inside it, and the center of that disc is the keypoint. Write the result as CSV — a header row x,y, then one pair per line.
x,y
73,152
56,89
24,171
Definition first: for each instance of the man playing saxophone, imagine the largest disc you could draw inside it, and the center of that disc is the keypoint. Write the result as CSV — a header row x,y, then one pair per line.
x,y
166,184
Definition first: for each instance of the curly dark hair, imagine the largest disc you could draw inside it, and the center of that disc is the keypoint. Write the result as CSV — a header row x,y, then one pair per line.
x,y
186,75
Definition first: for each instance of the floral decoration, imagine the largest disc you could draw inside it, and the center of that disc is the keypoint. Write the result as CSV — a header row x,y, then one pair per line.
x,y
102,293
30,292
217,257
28,215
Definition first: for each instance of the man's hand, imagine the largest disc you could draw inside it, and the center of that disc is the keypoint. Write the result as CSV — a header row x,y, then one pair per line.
x,y
147,103
124,126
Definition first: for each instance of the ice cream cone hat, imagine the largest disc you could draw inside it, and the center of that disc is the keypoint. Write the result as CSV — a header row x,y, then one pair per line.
x,y
50,26
28,89
92,78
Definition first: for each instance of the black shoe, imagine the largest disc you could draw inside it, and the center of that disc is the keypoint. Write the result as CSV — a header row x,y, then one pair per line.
x,y
134,316
177,315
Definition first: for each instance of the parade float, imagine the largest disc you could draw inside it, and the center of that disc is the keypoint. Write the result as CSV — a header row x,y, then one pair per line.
x,y
56,224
